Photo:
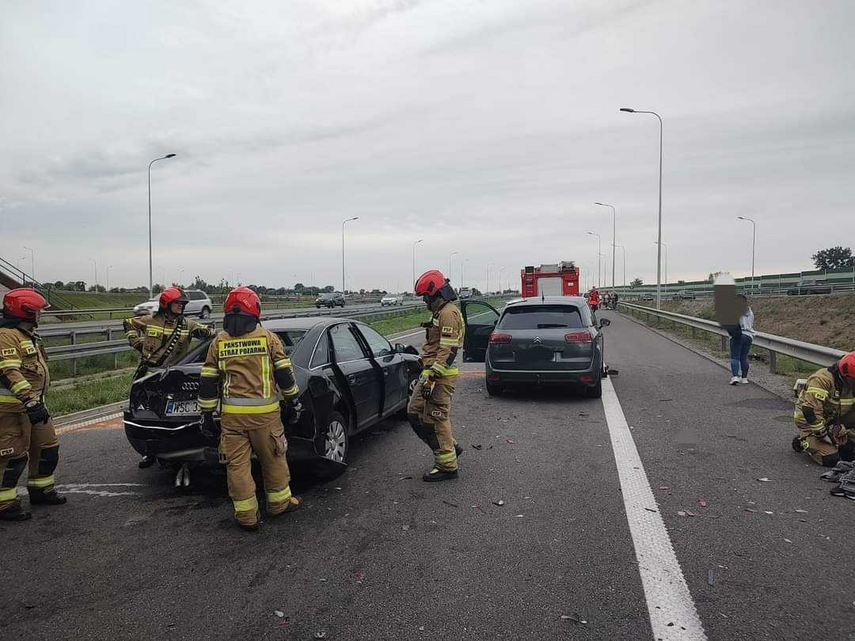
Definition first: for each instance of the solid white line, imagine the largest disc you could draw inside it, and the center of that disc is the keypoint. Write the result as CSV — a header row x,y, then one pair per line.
x,y
669,603
421,331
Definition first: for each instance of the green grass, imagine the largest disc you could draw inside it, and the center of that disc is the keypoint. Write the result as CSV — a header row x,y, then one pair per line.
x,y
86,395
91,300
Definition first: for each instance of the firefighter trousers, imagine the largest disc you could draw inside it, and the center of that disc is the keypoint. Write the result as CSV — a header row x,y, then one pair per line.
x,y
22,443
431,421
268,442
821,450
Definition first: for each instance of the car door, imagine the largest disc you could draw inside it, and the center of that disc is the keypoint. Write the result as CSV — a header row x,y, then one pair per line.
x,y
194,305
392,365
357,372
480,319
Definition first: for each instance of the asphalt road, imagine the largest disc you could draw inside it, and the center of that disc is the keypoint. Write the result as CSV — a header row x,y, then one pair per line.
x,y
378,554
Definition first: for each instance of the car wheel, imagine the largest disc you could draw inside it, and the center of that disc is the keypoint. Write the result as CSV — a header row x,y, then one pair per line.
x,y
336,439
596,391
317,306
494,389
206,311
402,413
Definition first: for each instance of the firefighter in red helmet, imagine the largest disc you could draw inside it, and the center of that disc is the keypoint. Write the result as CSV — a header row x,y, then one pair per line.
x,y
166,335
248,374
27,435
430,403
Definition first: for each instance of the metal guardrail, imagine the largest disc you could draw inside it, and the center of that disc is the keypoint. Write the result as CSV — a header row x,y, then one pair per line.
x,y
809,352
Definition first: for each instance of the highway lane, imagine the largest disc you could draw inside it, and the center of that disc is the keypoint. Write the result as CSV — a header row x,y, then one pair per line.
x,y
377,555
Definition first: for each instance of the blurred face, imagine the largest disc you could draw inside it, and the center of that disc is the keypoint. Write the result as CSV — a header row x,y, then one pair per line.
x,y
176,308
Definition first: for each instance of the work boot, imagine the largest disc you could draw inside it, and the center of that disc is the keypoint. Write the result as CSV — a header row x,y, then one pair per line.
x,y
146,461
15,513
39,496
436,475
248,521
278,509
798,444
735,380
457,450
846,486
833,475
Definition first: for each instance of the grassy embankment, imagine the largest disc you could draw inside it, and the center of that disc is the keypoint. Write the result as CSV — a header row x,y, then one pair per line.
x,y
95,387
823,320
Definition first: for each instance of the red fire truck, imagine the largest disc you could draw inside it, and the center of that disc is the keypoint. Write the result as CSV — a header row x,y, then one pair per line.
x,y
560,279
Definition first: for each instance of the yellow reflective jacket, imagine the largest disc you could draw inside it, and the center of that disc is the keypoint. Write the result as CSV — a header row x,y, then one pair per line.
x,y
150,335
246,375
821,403
444,341
24,372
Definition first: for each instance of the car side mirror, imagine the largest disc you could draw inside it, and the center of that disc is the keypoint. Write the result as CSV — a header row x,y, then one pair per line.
x,y
399,348
604,322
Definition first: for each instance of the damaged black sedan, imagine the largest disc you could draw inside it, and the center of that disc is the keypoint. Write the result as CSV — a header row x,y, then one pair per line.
x,y
350,379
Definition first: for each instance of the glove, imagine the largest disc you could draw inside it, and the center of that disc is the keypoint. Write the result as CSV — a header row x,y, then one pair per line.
x,y
837,433
427,388
293,411
209,427
37,412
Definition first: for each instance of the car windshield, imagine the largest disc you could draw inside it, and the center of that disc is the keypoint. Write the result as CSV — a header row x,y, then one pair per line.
x,y
327,296
541,317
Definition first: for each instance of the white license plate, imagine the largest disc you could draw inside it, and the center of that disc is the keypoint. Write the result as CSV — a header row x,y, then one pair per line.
x,y
181,408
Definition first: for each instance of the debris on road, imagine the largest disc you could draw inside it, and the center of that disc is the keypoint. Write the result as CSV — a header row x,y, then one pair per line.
x,y
510,441
767,512
477,446
664,487
405,527
321,635
681,513
574,619
787,541
279,613
405,478
711,577
650,509
749,510
500,503
764,480
519,516
801,511
663,400
478,509
450,503
702,502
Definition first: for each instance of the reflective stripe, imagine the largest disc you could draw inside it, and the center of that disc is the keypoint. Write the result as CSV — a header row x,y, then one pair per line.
x,y
426,372
9,494
9,399
291,391
40,482
442,370
282,362
249,405
445,458
27,344
820,393
207,403
10,362
246,505
279,496
448,342
265,377
17,387
210,371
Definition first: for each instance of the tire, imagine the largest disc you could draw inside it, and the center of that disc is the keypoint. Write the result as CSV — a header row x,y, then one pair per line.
x,y
205,313
317,306
494,389
336,439
596,391
402,413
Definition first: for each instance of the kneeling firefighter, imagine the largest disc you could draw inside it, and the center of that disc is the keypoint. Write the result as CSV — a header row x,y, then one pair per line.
x,y
247,371
825,414
165,334
430,403
27,434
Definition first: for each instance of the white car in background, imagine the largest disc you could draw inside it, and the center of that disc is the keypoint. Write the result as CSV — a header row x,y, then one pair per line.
x,y
390,300
199,305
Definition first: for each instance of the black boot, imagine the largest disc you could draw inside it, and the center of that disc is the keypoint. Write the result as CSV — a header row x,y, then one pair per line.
x,y
457,450
15,513
438,475
45,497
146,461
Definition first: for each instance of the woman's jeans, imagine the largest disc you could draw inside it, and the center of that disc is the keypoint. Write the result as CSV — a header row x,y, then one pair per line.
x,y
739,355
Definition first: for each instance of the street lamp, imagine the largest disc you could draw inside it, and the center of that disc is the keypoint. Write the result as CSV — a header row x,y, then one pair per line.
x,y
32,267
343,281
95,262
753,241
150,283
502,280
487,283
599,280
414,259
181,277
614,237
666,262
659,249
623,251
451,264
108,278
463,272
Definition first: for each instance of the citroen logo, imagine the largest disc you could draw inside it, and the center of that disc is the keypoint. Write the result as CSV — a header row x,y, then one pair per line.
x,y
537,340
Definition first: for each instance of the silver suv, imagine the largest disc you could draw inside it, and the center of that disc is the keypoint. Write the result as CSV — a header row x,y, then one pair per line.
x,y
198,305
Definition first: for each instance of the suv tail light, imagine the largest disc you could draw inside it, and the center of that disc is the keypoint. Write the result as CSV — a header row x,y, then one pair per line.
x,y
497,337
577,337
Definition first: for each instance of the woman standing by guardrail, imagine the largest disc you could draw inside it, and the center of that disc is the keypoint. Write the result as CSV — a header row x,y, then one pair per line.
x,y
740,344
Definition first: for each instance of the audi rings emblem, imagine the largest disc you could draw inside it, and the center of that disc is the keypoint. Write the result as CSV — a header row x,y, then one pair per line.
x,y
190,386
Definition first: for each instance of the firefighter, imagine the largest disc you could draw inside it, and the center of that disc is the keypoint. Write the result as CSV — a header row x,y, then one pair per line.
x,y
247,371
165,334
825,414
27,434
430,403
594,298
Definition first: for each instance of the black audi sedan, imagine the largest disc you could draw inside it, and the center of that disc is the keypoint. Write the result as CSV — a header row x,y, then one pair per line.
x,y
350,378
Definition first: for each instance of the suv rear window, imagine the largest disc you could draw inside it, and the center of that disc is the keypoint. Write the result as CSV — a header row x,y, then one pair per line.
x,y
541,317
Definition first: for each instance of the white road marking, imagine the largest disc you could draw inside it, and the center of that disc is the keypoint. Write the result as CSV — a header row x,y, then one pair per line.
x,y
395,336
90,488
669,603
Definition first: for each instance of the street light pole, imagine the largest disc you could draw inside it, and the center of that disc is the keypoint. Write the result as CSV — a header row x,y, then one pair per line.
x,y
659,249
343,281
487,284
753,241
95,262
32,267
599,271
414,259
150,283
463,272
666,261
451,264
623,251
614,237
109,267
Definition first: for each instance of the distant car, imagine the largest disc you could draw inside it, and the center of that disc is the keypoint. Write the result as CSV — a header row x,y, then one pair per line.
x,y
390,300
350,378
198,305
685,294
463,293
330,300
552,340
810,286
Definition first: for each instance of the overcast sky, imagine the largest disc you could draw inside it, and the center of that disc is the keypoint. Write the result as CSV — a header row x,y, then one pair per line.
x,y
484,127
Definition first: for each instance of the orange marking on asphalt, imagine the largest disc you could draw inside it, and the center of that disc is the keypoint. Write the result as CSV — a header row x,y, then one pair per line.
x,y
471,373
111,424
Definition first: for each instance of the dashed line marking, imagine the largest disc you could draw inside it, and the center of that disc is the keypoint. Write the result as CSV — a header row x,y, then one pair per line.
x,y
669,603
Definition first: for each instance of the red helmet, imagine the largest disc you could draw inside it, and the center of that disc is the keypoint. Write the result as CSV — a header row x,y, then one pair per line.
x,y
846,367
172,295
243,299
429,283
23,303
